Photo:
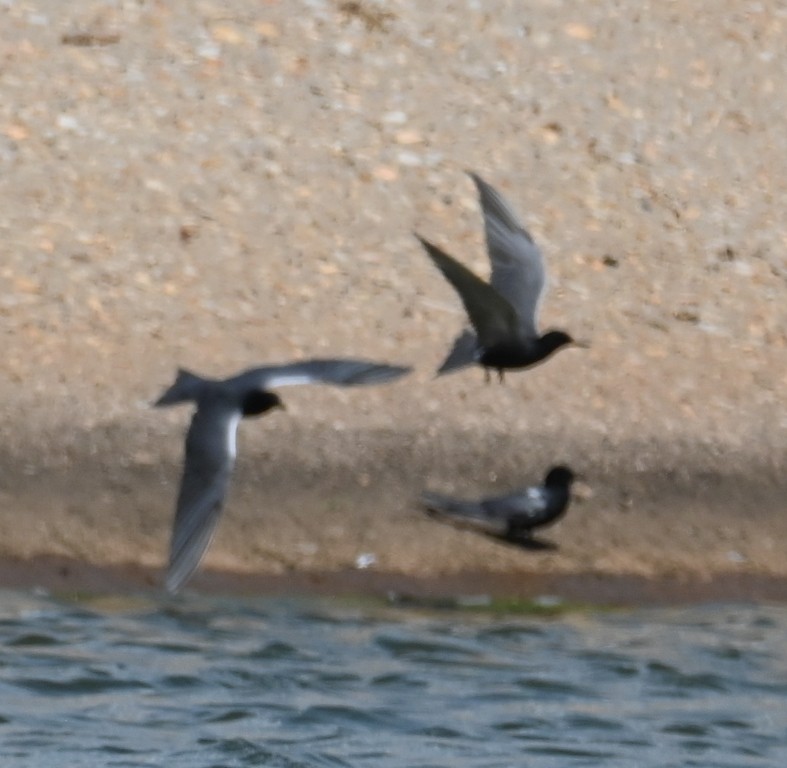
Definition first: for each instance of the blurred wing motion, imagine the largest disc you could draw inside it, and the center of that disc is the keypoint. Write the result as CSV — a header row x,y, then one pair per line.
x,y
492,317
346,373
210,442
210,456
518,272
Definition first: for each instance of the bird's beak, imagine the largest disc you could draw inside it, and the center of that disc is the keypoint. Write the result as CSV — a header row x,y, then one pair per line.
x,y
582,343
581,490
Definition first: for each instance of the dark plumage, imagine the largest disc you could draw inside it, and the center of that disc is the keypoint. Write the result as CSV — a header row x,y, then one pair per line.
x,y
210,442
512,517
503,312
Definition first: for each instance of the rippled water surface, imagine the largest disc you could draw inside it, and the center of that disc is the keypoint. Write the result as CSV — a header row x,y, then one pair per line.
x,y
299,683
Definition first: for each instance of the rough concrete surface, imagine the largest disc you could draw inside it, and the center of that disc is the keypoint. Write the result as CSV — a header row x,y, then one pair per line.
x,y
219,185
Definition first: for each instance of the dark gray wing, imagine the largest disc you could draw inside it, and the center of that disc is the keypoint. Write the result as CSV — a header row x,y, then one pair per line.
x,y
492,316
210,456
464,514
341,372
518,271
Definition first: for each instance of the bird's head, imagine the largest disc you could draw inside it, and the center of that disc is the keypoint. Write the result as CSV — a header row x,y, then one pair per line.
x,y
258,402
559,476
554,340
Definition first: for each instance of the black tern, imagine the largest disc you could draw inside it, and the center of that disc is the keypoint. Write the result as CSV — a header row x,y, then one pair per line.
x,y
503,312
210,442
512,517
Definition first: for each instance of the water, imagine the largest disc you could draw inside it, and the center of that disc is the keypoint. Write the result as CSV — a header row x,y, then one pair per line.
x,y
299,683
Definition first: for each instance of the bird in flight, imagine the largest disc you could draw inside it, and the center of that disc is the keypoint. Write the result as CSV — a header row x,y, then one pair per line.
x,y
211,445
503,312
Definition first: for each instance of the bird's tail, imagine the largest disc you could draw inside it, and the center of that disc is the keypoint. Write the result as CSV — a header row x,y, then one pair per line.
x,y
463,353
187,387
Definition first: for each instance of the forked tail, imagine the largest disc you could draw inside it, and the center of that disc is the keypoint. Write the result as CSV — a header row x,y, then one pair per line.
x,y
463,353
187,387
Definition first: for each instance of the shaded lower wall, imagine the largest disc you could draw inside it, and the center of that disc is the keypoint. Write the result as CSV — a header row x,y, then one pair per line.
x,y
307,500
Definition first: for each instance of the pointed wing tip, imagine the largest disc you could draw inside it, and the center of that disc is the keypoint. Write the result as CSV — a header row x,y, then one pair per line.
x,y
443,261
177,575
436,254
441,258
430,247
172,584
399,371
379,373
475,177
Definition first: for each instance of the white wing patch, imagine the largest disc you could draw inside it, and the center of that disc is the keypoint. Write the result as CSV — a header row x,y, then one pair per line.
x,y
232,432
288,380
538,497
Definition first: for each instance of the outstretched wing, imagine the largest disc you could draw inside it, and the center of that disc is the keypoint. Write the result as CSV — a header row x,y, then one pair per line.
x,y
210,456
518,271
340,372
491,315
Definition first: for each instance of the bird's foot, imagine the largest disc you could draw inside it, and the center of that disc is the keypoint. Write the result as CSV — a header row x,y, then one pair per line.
x,y
500,375
487,376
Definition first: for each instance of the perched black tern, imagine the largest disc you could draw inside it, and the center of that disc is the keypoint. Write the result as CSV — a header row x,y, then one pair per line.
x,y
503,312
512,517
210,442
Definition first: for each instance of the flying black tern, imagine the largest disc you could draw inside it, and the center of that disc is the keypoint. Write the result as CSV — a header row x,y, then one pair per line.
x,y
503,312
512,517
210,441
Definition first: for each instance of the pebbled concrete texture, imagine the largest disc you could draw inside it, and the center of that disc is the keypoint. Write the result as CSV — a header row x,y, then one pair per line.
x,y
220,185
